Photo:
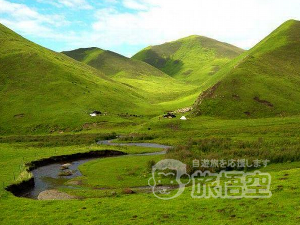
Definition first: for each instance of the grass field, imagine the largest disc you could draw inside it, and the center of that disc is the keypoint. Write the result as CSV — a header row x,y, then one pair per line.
x,y
250,110
114,204
142,208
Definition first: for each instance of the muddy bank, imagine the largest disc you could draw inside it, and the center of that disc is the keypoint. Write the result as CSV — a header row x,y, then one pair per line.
x,y
77,156
23,189
24,186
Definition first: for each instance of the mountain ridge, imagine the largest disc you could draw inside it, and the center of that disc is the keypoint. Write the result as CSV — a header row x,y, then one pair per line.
x,y
149,81
194,59
111,63
263,82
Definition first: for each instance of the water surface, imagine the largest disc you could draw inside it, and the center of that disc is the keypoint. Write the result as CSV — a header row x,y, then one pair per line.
x,y
48,177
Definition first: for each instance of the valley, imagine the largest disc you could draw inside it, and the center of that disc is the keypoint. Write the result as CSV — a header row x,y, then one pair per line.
x,y
194,98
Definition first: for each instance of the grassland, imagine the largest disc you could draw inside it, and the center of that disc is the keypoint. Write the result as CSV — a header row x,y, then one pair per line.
x,y
114,204
130,171
46,96
142,208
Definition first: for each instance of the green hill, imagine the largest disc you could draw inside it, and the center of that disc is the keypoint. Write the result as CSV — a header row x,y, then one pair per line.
x,y
151,83
194,59
44,90
262,82
113,64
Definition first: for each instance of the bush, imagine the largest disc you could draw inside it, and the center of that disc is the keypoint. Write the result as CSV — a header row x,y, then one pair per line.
x,y
150,164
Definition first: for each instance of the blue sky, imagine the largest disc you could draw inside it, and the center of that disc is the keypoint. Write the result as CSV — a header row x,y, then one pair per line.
x,y
126,26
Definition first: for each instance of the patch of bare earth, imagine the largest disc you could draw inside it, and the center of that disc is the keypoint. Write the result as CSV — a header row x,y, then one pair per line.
x,y
265,102
209,93
19,115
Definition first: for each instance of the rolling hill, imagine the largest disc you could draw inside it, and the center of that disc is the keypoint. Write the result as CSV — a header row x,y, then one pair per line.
x,y
113,64
194,59
263,82
44,90
151,83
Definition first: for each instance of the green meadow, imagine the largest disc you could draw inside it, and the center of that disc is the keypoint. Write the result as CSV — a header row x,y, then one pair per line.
x,y
104,191
241,105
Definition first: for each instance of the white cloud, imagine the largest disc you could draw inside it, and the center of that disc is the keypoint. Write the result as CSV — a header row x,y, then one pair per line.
x,y
28,26
73,4
243,23
150,22
79,4
21,12
134,4
28,21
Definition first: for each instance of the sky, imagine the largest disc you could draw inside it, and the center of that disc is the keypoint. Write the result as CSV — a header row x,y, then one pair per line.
x,y
127,26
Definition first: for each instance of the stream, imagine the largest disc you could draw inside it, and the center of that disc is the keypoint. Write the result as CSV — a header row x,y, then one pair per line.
x,y
49,177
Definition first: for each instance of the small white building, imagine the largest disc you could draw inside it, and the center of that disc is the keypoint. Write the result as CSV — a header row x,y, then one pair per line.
x,y
183,118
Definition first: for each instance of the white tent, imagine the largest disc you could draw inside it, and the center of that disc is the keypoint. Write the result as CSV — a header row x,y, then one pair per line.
x,y
183,118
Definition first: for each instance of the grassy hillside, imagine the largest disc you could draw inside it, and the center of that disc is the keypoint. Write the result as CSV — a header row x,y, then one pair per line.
x,y
262,82
113,64
44,90
194,59
151,83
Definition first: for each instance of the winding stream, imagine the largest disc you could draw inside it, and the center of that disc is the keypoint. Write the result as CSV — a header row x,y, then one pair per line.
x,y
49,177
